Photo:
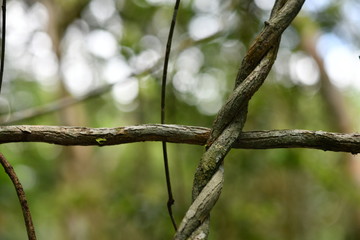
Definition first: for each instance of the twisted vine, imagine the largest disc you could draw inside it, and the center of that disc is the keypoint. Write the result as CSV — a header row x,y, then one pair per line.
x,y
227,127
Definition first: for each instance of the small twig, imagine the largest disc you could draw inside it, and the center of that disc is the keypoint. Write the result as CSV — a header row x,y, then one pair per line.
x,y
2,61
21,196
171,200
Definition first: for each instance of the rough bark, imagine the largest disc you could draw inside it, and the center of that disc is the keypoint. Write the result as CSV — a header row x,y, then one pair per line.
x,y
82,136
200,208
229,122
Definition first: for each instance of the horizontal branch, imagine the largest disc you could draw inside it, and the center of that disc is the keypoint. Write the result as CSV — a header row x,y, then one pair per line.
x,y
83,136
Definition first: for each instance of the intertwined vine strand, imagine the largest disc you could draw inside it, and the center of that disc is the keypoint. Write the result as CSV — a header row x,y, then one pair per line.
x,y
229,122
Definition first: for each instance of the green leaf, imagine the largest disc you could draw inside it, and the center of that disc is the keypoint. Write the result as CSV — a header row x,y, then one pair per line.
x,y
101,141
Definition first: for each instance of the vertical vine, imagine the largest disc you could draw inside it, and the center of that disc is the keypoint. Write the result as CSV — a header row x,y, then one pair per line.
x,y
3,38
171,200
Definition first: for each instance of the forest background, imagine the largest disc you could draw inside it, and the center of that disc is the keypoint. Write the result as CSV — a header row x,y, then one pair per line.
x,y
103,55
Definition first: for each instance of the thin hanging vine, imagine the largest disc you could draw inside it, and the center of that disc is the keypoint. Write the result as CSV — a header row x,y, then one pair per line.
x,y
171,200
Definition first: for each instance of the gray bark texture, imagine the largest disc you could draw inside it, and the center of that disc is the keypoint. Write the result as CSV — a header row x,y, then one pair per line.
x,y
231,118
226,132
82,136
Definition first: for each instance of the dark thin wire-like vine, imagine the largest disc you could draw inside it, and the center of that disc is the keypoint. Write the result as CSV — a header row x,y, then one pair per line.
x,y
171,200
3,42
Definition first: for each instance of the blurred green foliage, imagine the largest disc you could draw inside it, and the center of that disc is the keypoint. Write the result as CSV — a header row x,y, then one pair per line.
x,y
119,192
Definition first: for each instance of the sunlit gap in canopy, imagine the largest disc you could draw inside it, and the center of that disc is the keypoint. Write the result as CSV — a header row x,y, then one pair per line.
x,y
303,69
340,57
89,51
105,56
341,61
296,68
204,90
101,44
78,75
90,55
101,57
102,10
204,26
29,47
317,5
206,6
